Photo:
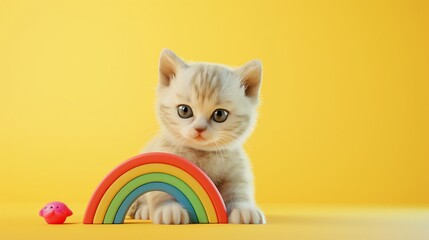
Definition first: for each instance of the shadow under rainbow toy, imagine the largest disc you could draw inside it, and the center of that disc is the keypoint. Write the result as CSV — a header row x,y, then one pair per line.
x,y
154,171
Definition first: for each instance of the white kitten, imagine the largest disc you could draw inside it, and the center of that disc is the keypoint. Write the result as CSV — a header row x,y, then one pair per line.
x,y
206,111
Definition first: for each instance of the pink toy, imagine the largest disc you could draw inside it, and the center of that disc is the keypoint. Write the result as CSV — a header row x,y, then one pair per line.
x,y
55,212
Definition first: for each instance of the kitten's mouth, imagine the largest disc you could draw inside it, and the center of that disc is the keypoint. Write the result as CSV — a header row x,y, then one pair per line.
x,y
200,138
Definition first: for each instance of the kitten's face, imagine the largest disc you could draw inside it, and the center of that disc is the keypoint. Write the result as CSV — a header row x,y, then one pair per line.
x,y
206,106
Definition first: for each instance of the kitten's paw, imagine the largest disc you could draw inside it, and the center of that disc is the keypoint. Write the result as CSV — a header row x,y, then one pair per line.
x,y
246,215
142,212
170,213
139,210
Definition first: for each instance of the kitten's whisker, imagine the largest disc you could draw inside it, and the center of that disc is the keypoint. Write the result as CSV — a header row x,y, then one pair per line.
x,y
226,137
177,147
219,152
181,146
163,141
173,146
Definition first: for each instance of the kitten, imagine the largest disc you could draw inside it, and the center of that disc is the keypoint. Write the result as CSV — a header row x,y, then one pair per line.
x,y
206,112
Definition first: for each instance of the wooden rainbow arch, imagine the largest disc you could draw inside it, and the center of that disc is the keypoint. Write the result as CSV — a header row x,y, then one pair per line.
x,y
187,183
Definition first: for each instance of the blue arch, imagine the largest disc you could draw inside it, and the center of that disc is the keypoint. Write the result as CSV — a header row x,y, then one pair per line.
x,y
155,186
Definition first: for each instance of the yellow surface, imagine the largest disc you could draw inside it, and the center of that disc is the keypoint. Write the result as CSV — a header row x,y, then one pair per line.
x,y
20,221
345,103
150,168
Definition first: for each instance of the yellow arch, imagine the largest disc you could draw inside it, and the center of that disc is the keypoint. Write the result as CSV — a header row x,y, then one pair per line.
x,y
150,168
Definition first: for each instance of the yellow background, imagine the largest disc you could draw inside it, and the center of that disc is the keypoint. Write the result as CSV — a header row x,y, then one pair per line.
x,y
345,97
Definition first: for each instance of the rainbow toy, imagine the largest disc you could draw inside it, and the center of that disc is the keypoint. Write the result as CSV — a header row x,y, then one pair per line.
x,y
187,183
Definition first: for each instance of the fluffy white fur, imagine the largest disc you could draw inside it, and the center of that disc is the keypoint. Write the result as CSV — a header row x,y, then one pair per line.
x,y
216,147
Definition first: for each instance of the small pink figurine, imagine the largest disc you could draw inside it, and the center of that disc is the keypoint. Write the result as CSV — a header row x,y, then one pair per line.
x,y
55,212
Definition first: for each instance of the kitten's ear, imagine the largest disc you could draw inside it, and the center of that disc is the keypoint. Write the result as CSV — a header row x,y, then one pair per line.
x,y
169,65
251,77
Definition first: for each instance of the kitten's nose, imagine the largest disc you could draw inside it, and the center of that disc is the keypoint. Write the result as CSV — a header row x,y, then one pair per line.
x,y
200,130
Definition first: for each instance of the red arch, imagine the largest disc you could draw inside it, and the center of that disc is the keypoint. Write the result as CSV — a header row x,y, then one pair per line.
x,y
163,158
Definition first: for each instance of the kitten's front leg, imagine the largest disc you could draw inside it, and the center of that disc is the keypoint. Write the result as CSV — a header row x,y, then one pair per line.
x,y
245,213
238,197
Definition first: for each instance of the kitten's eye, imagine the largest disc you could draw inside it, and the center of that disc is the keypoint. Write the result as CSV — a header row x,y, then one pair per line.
x,y
184,111
220,115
